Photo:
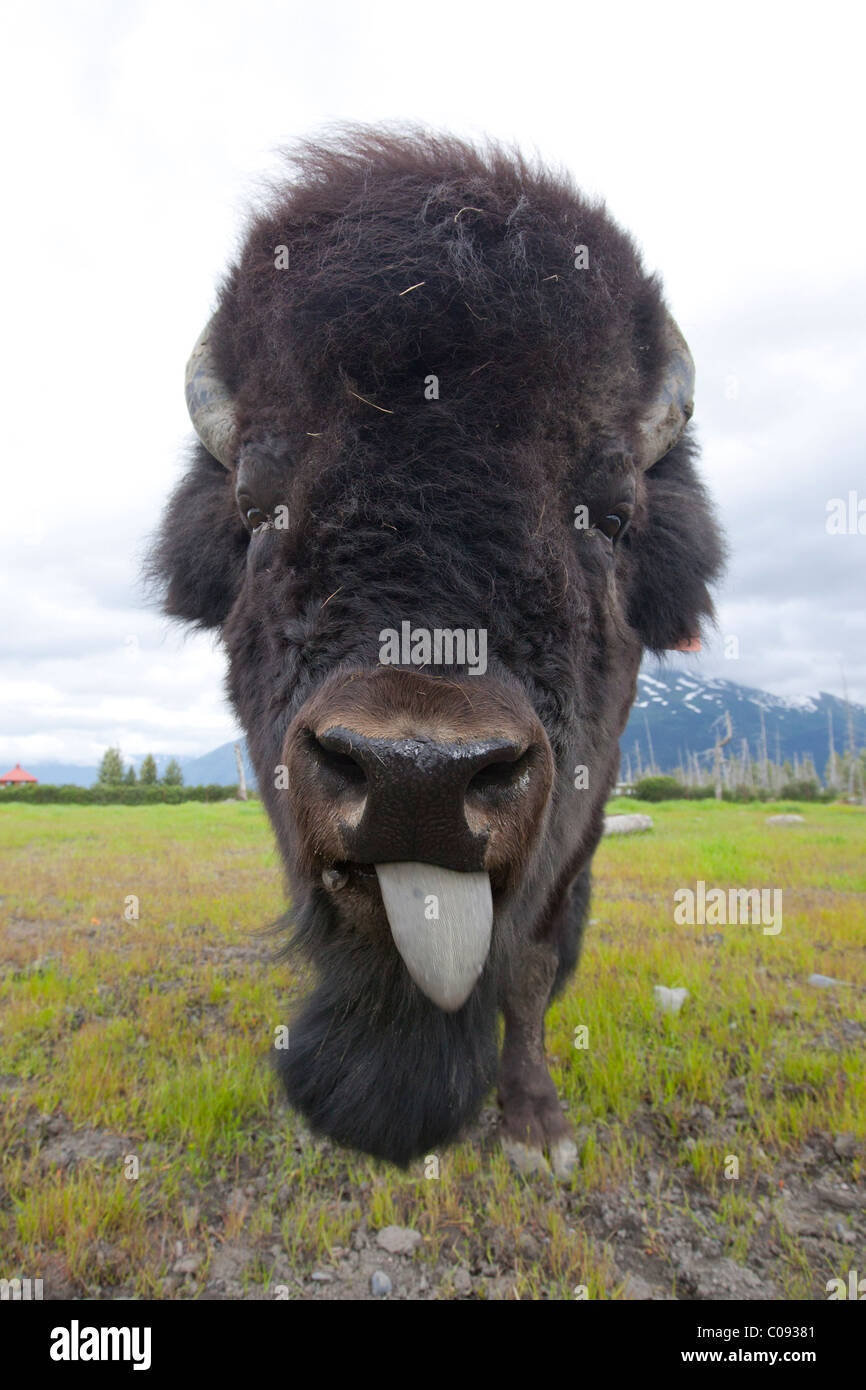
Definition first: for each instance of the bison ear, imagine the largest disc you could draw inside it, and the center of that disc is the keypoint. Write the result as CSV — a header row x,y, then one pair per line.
x,y
677,553
198,557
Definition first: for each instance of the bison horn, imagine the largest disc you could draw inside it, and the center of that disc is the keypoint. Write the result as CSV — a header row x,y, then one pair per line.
x,y
212,413
209,402
671,410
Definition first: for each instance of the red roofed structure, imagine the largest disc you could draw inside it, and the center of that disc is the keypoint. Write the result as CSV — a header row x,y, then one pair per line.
x,y
16,776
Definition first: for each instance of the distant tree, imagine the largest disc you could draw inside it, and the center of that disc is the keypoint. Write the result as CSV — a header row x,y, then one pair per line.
x,y
130,778
800,789
173,777
659,789
852,780
111,768
147,773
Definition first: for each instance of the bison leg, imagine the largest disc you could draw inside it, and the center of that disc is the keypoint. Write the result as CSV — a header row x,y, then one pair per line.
x,y
533,1122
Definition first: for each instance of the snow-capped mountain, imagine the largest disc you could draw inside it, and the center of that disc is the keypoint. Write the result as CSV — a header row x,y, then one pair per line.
x,y
675,712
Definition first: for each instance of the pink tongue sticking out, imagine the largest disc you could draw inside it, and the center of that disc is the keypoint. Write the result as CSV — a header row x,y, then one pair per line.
x,y
441,923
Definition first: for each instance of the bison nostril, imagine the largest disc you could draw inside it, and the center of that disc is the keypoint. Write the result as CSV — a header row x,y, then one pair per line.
x,y
499,780
340,769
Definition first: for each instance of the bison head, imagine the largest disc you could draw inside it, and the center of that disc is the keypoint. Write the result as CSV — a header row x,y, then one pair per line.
x,y
442,501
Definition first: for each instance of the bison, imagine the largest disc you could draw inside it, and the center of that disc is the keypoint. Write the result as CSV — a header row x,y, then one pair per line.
x,y
443,498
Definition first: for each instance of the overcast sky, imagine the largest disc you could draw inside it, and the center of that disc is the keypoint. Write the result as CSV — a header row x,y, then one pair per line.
x,y
726,137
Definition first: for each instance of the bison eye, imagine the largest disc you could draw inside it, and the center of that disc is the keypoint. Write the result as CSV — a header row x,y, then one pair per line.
x,y
254,516
612,525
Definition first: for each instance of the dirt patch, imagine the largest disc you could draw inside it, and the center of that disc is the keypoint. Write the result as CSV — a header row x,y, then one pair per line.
x,y
657,1237
660,1237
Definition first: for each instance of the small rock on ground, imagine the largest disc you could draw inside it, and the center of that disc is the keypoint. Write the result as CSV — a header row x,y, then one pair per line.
x,y
626,825
398,1240
670,1001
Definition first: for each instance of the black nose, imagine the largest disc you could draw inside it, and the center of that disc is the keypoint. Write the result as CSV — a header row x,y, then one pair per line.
x,y
418,798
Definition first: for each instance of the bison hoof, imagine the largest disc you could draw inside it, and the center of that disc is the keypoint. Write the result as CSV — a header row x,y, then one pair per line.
x,y
536,1136
563,1158
526,1159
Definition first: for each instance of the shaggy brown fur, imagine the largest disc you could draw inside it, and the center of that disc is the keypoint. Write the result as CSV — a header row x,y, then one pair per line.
x,y
411,257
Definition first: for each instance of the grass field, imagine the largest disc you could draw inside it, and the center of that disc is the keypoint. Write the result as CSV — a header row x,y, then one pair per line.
x,y
146,1150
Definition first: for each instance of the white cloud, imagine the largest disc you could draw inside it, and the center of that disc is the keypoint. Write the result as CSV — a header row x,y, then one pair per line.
x,y
724,137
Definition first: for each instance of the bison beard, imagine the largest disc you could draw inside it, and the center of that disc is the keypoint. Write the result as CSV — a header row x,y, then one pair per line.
x,y
410,389
374,1064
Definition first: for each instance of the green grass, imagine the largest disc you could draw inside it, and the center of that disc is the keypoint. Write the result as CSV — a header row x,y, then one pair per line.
x,y
157,1029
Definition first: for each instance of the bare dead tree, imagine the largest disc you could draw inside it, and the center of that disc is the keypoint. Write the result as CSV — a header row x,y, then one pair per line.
x,y
242,781
855,771
689,773
719,756
765,761
653,767
832,773
748,779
